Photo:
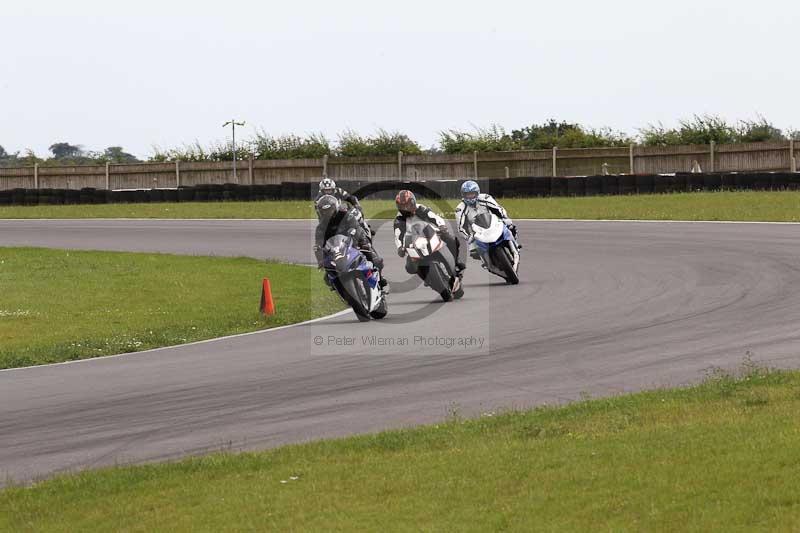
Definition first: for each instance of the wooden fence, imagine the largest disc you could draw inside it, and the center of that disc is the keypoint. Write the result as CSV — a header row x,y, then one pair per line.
x,y
753,157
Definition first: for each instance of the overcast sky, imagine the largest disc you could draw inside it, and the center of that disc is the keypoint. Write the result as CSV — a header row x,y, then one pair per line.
x,y
145,73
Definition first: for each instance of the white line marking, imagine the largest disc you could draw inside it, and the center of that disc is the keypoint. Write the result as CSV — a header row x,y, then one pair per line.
x,y
194,343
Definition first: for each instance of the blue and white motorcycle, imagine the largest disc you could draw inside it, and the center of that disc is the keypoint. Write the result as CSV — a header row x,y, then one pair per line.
x,y
496,246
354,278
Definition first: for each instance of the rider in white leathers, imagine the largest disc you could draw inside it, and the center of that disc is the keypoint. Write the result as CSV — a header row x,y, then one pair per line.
x,y
472,201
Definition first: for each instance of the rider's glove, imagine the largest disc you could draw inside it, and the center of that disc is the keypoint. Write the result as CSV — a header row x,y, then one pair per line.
x,y
401,251
513,229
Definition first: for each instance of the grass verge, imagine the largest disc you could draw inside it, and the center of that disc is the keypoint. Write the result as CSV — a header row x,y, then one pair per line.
x,y
721,456
783,206
58,305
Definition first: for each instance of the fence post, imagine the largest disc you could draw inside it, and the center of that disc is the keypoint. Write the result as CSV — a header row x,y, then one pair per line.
x,y
711,165
475,163
250,169
36,175
400,165
325,166
177,174
792,160
555,165
633,167
508,174
108,176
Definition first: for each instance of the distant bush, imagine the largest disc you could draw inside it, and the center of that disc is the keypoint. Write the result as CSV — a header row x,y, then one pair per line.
x,y
313,146
758,131
115,154
551,134
197,152
702,129
351,144
491,139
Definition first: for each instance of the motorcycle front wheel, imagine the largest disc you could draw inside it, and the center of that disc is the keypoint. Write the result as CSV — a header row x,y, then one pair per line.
x,y
504,260
438,282
354,292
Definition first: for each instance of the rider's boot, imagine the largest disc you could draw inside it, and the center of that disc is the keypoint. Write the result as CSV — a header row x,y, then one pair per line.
x,y
453,245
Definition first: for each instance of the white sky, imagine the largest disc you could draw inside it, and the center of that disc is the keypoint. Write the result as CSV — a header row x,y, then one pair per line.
x,y
145,73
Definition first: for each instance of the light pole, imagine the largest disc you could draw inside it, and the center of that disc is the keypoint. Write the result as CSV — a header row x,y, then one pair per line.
x,y
233,125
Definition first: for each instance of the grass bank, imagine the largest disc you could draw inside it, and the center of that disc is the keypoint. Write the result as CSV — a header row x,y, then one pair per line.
x,y
60,305
721,456
781,206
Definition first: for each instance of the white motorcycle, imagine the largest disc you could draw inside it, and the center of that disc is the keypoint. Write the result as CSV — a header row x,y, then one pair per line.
x,y
435,263
496,246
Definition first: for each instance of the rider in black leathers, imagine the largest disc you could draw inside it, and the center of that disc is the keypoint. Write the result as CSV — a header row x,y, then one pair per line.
x,y
334,219
407,206
328,186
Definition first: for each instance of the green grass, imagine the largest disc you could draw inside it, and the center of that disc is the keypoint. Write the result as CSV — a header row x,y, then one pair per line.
x,y
721,456
781,206
58,305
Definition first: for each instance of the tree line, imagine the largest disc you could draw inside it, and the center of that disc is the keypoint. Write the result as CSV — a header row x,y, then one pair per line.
x,y
700,129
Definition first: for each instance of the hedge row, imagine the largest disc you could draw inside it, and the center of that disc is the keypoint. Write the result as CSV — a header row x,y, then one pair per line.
x,y
501,188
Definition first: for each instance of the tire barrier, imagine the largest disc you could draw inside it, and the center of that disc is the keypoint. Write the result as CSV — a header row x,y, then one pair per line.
x,y
519,187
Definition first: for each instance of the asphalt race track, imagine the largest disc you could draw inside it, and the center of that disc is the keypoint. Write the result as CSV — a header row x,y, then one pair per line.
x,y
603,308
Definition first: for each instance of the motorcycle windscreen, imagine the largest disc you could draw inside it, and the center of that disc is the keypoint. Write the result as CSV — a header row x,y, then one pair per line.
x,y
413,232
337,246
484,220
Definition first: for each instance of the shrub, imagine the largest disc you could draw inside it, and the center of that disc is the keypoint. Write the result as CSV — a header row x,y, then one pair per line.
x,y
351,144
706,128
491,139
313,146
197,152
565,135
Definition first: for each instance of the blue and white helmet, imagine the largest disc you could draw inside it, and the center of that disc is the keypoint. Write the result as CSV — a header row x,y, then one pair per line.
x,y
469,192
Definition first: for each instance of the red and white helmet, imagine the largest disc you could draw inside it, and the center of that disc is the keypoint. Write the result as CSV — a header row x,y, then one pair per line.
x,y
406,202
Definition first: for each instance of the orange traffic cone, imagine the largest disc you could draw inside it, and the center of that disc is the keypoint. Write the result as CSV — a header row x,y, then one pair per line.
x,y
267,305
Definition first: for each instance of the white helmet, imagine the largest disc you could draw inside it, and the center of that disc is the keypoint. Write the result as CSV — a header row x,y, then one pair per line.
x,y
327,186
